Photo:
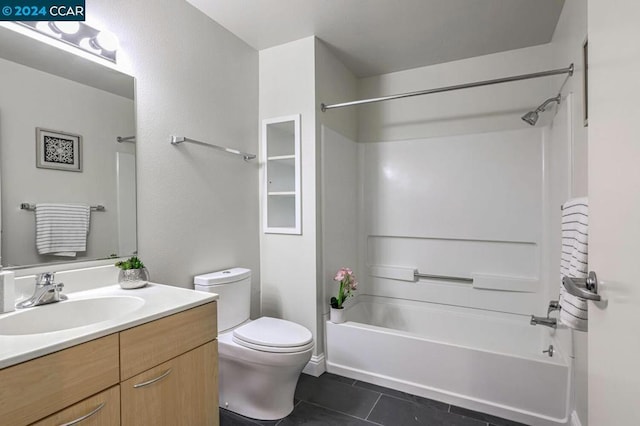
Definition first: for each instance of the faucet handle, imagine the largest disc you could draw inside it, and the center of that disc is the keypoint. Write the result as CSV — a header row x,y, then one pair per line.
x,y
554,305
45,278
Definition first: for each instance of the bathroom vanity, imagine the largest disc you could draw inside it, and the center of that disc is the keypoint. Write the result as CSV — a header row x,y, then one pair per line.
x,y
156,365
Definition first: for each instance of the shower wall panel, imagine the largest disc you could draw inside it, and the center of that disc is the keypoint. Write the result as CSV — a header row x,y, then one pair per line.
x,y
462,206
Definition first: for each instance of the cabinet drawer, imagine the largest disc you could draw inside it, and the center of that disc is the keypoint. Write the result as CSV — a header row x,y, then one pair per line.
x,y
35,389
182,391
102,409
150,344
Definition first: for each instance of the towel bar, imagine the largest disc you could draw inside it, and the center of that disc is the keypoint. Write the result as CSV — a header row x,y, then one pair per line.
x,y
32,207
176,140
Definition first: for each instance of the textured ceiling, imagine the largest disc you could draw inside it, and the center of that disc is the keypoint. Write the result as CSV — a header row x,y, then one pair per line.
x,y
376,37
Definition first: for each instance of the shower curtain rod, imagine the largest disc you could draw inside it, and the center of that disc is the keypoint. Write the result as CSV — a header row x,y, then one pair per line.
x,y
568,70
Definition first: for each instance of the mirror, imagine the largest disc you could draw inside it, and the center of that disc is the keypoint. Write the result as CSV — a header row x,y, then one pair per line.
x,y
60,117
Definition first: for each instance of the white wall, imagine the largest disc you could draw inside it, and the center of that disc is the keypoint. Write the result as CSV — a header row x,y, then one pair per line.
x,y
337,194
51,102
570,35
288,262
335,83
469,111
340,219
197,207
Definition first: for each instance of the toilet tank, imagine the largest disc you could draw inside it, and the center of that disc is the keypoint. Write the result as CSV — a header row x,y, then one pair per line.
x,y
234,288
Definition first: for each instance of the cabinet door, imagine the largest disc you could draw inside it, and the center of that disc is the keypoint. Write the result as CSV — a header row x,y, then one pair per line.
x,y
182,391
102,409
150,344
38,388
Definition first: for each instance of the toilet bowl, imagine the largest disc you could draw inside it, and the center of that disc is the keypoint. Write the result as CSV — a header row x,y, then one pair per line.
x,y
259,360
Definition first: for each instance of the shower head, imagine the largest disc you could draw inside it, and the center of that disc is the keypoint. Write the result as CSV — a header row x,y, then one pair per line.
x,y
532,116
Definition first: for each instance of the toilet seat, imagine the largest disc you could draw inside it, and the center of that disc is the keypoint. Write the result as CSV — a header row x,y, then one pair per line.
x,y
274,335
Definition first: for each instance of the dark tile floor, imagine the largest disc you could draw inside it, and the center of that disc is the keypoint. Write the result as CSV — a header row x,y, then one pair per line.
x,y
336,400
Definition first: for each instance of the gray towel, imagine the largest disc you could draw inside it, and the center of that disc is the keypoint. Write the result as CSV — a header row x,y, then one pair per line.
x,y
61,229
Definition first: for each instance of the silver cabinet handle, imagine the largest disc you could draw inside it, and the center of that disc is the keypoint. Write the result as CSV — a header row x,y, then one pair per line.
x,y
85,417
581,287
148,382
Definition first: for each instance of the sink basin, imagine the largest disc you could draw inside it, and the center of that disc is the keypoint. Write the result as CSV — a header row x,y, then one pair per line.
x,y
68,314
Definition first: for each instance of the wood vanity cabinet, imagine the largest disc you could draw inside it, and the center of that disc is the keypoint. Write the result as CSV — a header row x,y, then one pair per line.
x,y
102,409
164,372
185,382
169,370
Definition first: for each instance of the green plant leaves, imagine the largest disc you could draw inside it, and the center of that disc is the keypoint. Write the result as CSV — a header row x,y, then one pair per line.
x,y
131,263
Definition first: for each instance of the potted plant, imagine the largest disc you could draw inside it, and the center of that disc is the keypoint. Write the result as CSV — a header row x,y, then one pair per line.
x,y
348,285
132,274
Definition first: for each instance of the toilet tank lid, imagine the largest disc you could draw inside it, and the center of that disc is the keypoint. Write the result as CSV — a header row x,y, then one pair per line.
x,y
222,277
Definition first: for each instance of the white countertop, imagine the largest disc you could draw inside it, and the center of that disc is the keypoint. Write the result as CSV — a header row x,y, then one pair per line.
x,y
159,301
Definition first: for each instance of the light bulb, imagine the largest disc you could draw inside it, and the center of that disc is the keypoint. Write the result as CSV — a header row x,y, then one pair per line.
x,y
66,27
106,40
45,28
86,44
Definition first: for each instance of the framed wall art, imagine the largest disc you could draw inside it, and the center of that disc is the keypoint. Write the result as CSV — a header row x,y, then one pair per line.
x,y
58,150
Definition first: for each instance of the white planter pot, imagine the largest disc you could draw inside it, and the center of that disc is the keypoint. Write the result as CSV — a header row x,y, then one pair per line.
x,y
337,316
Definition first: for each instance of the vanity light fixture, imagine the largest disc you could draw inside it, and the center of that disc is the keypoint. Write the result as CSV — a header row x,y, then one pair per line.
x,y
78,34
45,28
65,27
105,40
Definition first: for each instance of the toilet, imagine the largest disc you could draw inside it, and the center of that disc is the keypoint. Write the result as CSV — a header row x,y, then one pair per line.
x,y
259,360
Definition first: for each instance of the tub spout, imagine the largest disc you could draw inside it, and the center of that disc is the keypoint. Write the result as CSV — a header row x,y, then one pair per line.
x,y
547,322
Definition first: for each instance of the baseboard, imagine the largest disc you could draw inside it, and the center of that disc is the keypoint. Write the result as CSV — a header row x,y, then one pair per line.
x,y
575,419
316,366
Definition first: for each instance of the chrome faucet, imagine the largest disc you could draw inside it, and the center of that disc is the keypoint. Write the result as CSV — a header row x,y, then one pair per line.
x,y
554,305
547,322
46,292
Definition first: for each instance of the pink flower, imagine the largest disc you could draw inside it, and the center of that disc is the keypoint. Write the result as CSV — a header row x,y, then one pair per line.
x,y
348,284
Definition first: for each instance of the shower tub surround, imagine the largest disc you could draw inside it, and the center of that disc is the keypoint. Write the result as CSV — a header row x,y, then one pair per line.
x,y
484,361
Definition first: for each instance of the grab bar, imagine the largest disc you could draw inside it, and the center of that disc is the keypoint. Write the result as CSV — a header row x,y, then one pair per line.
x,y
417,275
586,288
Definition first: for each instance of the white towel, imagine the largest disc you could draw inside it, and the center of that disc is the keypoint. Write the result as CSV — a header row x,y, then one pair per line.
x,y
61,229
575,253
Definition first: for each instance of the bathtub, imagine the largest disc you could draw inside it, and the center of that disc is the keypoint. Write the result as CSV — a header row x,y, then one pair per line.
x,y
485,361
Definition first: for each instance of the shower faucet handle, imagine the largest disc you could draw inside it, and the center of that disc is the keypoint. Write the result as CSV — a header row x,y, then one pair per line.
x,y
554,305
